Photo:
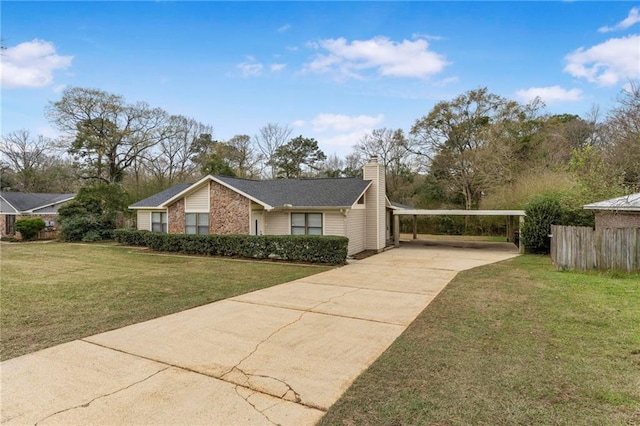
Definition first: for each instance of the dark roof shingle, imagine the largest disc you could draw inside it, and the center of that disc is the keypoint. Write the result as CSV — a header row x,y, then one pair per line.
x,y
328,192
24,201
159,198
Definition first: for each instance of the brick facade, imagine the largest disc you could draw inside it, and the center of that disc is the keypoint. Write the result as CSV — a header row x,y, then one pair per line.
x,y
618,220
175,217
47,234
229,211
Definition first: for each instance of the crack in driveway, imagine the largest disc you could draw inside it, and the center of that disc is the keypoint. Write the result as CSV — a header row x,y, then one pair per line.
x,y
253,405
296,395
86,404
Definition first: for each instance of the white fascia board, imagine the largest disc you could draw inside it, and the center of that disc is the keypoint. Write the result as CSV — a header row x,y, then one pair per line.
x,y
184,192
212,178
15,211
361,194
49,205
244,194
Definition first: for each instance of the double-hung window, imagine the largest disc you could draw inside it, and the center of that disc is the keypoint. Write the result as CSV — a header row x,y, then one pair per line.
x,y
159,222
306,223
197,223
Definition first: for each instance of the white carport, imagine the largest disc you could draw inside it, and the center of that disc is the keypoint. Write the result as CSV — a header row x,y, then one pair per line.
x,y
511,214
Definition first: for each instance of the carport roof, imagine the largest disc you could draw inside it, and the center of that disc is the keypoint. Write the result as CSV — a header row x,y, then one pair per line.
x,y
420,212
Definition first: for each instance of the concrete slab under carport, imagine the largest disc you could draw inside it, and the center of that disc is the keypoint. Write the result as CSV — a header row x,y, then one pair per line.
x,y
414,213
279,355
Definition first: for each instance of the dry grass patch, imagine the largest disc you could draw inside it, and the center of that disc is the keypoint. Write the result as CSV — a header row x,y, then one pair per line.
x,y
54,293
510,343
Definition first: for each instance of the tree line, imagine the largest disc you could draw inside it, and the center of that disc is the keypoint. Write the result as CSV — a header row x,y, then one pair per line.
x,y
478,150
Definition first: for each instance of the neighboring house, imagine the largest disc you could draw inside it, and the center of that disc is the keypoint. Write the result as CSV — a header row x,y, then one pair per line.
x,y
621,212
353,207
19,205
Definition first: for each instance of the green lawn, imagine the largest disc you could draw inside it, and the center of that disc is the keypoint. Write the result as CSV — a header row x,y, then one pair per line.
x,y
54,292
510,343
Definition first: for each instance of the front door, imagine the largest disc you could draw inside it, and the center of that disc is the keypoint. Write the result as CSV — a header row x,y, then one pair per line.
x,y
256,223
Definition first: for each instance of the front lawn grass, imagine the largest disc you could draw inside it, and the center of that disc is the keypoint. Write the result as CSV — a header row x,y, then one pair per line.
x,y
54,292
510,343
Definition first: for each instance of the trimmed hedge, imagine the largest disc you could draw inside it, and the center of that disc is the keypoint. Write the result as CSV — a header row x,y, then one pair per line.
x,y
304,248
130,237
29,227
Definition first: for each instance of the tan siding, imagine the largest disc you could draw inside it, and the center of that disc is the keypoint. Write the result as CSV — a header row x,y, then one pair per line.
x,y
198,201
277,223
356,221
375,203
334,224
144,220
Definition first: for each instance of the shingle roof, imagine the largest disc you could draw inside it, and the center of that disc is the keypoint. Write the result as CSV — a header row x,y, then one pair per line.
x,y
24,201
629,202
329,192
159,198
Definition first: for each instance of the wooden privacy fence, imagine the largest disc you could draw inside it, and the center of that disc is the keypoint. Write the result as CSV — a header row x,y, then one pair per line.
x,y
582,248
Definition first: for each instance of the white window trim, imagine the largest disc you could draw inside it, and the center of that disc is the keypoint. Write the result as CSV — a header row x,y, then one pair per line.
x,y
324,216
151,218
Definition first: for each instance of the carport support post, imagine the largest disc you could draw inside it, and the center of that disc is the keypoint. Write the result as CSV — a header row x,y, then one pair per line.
x,y
520,233
396,230
415,227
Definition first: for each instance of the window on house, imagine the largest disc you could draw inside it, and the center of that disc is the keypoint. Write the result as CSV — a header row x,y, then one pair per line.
x,y
159,222
10,224
197,223
306,223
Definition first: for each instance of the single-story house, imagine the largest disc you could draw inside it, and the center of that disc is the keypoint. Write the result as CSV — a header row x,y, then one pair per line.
x,y
20,205
353,207
620,212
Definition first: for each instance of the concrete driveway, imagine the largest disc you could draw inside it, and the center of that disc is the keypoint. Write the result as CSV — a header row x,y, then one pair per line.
x,y
281,355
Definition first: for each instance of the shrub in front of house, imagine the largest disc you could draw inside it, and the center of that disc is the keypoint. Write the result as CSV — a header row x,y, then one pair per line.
x,y
301,248
130,237
30,227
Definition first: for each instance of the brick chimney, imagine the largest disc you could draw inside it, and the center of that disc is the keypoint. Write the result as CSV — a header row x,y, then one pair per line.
x,y
375,202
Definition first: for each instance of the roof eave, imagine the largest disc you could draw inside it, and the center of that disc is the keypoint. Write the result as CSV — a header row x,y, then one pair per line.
x,y
612,208
214,179
286,208
49,204
16,211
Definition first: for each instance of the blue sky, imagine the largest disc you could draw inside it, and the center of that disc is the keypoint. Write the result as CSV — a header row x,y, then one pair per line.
x,y
329,70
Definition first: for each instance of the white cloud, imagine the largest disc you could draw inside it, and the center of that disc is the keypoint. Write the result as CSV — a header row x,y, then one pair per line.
x,y
446,81
277,67
606,63
344,142
344,123
284,28
549,95
632,19
31,64
388,58
298,123
415,36
250,68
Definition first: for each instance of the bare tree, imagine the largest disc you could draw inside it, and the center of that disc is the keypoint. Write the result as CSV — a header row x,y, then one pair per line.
x,y
622,134
26,158
393,149
171,160
105,134
245,157
271,137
